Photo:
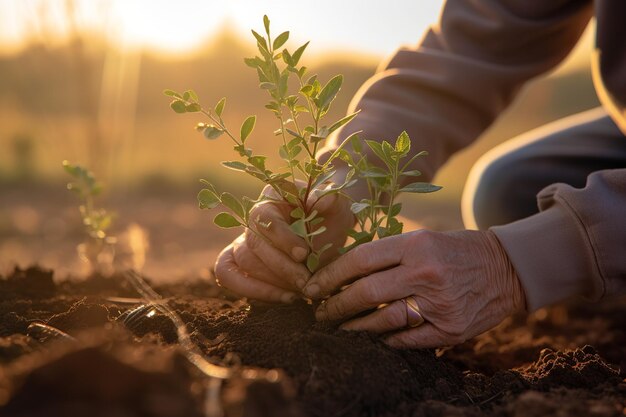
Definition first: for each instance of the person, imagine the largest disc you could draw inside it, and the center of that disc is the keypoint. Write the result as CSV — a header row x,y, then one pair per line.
x,y
428,289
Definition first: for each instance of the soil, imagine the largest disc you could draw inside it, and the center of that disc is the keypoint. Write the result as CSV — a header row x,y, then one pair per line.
x,y
82,347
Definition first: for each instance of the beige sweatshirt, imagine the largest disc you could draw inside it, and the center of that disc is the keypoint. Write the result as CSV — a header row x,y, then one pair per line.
x,y
466,70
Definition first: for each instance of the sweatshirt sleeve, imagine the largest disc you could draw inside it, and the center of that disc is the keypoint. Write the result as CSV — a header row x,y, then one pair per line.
x,y
466,70
576,244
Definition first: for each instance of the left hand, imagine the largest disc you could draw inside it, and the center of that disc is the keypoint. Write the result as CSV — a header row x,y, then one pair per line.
x,y
463,282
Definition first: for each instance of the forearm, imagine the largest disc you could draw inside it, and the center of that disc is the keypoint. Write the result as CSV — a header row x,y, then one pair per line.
x,y
575,246
463,74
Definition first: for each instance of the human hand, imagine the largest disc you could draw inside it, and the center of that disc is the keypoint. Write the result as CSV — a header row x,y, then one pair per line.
x,y
463,283
266,264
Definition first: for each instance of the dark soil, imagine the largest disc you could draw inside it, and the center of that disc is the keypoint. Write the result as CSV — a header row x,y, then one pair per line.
x,y
65,350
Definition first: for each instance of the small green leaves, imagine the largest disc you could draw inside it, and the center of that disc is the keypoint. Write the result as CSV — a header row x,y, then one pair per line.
x,y
295,57
356,208
207,199
266,24
96,221
420,187
219,107
211,132
329,92
172,93
226,220
236,165
247,127
280,40
303,127
178,106
403,143
233,203
312,261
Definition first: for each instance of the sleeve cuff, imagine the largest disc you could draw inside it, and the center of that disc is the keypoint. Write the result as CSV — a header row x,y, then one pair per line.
x,y
552,256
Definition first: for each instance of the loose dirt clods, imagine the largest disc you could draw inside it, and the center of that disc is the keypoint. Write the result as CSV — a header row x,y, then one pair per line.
x,y
106,368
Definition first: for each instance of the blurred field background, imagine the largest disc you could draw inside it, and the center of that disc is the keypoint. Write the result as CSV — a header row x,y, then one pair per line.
x,y
80,80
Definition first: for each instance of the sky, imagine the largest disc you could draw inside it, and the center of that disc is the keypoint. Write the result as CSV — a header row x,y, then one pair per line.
x,y
367,26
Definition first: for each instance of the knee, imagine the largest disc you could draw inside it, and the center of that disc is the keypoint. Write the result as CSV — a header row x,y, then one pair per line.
x,y
497,191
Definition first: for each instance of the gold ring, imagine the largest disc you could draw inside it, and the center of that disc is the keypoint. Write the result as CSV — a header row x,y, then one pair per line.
x,y
413,316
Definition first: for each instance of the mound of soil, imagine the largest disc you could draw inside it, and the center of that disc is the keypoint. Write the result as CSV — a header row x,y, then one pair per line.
x,y
89,348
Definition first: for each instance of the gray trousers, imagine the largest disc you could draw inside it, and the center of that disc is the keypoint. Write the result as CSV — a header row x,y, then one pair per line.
x,y
502,185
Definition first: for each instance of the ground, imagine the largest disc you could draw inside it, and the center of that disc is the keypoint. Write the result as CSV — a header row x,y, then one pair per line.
x,y
102,357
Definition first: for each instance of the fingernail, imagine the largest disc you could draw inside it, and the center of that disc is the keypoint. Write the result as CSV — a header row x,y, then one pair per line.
x,y
312,290
300,283
299,254
288,298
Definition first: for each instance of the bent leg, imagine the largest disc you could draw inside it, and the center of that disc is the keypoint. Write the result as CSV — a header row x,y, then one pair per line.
x,y
503,184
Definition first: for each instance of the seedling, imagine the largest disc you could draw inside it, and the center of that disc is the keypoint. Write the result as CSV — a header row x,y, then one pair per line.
x,y
302,128
98,247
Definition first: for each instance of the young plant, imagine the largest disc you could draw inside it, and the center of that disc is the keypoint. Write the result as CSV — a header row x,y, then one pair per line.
x,y
377,216
302,128
98,247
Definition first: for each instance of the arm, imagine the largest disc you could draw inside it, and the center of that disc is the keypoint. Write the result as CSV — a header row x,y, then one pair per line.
x,y
465,71
575,245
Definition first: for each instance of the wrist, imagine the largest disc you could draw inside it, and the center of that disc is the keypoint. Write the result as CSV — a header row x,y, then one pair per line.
x,y
507,281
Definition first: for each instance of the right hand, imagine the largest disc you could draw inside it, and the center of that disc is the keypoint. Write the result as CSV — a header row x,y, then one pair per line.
x,y
268,265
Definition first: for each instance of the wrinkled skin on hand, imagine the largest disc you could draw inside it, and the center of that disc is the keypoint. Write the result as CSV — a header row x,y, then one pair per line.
x,y
268,265
463,282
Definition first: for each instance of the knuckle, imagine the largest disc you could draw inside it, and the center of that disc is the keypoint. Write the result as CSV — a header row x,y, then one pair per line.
x,y
253,242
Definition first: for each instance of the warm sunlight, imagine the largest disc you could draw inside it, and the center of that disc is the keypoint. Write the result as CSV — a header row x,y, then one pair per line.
x,y
363,26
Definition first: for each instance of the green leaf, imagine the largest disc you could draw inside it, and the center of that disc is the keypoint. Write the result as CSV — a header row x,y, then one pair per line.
x,y
388,150
395,209
207,199
226,220
322,178
356,208
307,90
232,203
261,40
219,107
266,23
258,161
236,165
211,132
411,173
312,261
287,58
299,228
190,94
280,40
356,143
247,127
420,187
377,148
297,213
342,122
403,143
298,54
178,106
253,62
172,93
318,231
330,90
193,108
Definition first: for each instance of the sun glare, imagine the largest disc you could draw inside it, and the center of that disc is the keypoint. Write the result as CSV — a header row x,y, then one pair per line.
x,y
180,27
